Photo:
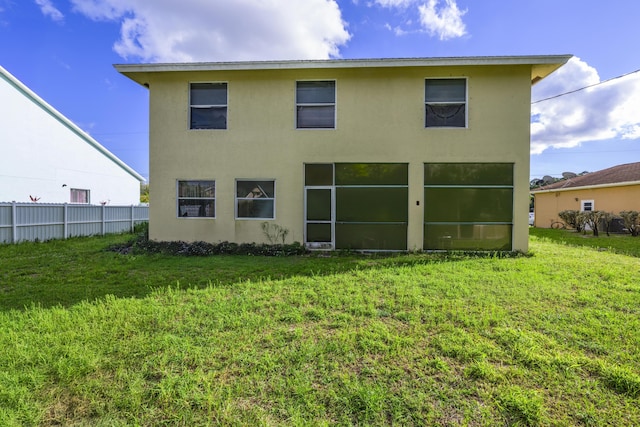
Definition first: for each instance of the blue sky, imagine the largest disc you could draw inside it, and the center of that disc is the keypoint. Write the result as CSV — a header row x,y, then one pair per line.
x,y
64,51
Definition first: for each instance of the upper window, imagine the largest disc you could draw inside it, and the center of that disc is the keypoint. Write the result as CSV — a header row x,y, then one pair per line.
x,y
316,105
208,103
197,199
255,199
445,102
80,196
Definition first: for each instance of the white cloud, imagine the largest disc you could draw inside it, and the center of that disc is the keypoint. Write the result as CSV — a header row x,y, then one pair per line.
x,y
394,3
605,111
445,21
222,30
441,20
48,9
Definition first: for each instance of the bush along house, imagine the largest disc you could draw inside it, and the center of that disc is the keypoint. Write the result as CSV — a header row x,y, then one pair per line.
x,y
365,154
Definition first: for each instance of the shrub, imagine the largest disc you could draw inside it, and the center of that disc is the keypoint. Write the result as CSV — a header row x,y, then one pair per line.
x,y
631,221
570,218
274,233
593,219
142,244
141,228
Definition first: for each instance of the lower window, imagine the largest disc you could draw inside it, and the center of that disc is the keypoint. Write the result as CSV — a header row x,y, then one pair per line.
x,y
255,199
196,199
79,196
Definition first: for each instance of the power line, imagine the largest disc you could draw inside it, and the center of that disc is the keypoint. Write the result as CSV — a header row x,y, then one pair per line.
x,y
586,87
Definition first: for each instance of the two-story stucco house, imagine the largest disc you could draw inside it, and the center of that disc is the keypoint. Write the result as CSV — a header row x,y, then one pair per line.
x,y
384,154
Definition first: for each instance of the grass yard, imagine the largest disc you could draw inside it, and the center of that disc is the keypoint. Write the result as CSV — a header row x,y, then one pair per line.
x,y
89,337
618,243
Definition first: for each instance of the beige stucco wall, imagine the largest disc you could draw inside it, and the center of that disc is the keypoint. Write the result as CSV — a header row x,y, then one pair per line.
x,y
380,118
609,199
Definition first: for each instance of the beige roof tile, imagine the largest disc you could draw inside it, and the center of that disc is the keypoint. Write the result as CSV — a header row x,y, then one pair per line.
x,y
628,172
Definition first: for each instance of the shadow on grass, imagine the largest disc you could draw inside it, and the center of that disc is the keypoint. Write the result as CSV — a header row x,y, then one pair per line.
x,y
64,273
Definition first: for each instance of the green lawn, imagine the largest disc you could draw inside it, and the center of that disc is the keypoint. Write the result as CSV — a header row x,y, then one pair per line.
x,y
618,243
89,337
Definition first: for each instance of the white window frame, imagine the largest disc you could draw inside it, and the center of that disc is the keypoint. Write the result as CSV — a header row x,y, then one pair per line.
x,y
589,202
251,199
466,102
226,106
73,191
178,198
318,104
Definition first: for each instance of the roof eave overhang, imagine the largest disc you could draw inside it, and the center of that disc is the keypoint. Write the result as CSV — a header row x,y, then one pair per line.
x,y
587,187
541,65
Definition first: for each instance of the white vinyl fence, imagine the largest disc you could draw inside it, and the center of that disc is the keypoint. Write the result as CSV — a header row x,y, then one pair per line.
x,y
42,221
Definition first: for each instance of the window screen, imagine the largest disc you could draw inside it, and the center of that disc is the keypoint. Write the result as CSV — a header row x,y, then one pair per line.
x,y
445,102
208,102
315,104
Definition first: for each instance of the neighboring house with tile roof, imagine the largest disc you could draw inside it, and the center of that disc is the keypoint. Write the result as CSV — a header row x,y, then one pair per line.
x,y
612,190
47,158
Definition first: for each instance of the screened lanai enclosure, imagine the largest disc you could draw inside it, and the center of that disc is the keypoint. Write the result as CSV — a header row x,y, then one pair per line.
x,y
365,206
468,206
356,206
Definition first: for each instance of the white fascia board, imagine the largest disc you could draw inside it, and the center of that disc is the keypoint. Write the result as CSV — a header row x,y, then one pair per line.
x,y
542,61
22,88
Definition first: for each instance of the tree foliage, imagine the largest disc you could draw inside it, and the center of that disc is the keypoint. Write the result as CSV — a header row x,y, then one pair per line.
x,y
570,218
594,219
631,221
144,193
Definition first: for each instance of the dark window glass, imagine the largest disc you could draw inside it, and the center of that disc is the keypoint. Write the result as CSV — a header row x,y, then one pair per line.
x,y
318,174
471,237
320,92
381,204
468,204
196,199
208,106
318,232
318,205
468,174
316,116
255,189
316,104
371,236
202,189
255,208
255,199
208,94
445,102
445,115
445,90
372,174
196,208
208,117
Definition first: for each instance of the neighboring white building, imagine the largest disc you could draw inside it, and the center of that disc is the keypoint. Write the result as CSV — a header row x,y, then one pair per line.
x,y
45,156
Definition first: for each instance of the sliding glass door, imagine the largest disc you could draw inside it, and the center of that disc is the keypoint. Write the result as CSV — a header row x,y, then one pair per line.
x,y
358,206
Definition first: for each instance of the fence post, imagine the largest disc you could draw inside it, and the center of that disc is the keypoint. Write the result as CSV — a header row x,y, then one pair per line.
x,y
65,227
104,217
14,220
133,220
